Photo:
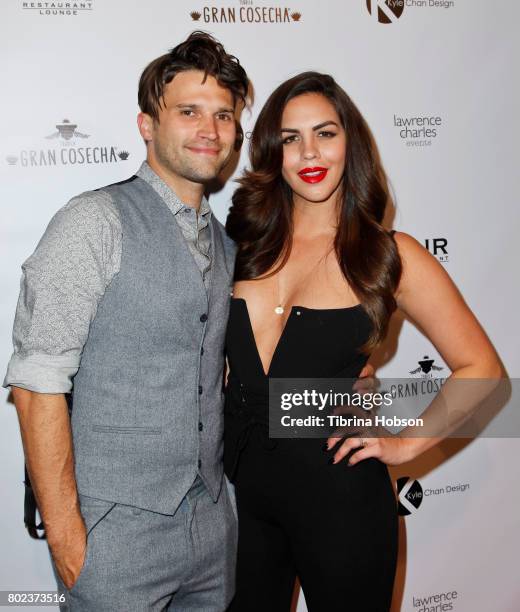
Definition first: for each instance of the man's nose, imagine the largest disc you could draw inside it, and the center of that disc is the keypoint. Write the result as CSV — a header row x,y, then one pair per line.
x,y
208,127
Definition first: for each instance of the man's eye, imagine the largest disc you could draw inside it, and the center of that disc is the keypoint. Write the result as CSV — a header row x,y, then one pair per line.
x,y
224,116
188,112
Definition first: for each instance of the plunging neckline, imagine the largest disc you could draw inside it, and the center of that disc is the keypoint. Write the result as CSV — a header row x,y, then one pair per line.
x,y
282,335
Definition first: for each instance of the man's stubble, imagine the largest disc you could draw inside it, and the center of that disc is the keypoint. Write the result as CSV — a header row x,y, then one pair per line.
x,y
185,164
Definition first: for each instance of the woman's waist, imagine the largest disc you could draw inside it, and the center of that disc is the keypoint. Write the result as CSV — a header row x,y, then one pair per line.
x,y
247,403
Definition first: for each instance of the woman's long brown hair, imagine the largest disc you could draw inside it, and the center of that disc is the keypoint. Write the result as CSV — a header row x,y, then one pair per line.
x,y
260,218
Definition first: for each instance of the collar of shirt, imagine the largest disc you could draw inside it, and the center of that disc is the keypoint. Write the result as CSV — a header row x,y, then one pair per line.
x,y
173,202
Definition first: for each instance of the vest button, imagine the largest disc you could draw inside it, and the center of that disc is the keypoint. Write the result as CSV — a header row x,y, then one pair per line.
x,y
203,318
200,390
201,427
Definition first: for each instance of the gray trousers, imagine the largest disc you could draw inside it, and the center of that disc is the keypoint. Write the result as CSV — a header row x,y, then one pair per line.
x,y
138,560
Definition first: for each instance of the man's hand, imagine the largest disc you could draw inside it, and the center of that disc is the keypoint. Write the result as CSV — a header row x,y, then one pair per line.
x,y
68,548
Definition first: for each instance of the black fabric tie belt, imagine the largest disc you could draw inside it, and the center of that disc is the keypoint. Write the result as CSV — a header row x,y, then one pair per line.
x,y
251,410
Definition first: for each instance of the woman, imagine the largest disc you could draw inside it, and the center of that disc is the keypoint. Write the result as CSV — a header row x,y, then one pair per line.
x,y
317,278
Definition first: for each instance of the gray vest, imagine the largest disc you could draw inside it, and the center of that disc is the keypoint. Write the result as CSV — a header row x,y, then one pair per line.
x,y
148,405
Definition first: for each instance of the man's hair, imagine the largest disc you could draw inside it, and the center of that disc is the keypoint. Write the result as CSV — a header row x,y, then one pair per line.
x,y
200,51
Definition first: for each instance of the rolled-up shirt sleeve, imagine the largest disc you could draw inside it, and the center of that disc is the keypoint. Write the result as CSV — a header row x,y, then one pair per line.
x,y
61,286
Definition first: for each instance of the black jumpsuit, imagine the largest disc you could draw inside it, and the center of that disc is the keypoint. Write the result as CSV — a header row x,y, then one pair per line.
x,y
333,526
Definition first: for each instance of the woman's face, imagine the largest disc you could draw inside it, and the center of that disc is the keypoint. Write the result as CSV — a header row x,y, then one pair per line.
x,y
314,148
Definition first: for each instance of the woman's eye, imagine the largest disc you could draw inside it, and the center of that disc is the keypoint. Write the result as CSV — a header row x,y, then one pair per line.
x,y
328,134
289,139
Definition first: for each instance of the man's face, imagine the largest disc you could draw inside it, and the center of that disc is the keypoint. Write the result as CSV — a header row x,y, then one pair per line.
x,y
195,134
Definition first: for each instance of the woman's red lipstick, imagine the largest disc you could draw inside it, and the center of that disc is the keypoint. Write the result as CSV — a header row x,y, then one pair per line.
x,y
313,175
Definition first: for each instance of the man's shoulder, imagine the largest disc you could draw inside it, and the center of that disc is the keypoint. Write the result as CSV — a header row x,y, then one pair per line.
x,y
88,226
90,207
96,198
102,196
94,205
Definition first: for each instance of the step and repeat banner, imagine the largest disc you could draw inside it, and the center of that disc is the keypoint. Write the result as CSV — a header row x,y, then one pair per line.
x,y
437,81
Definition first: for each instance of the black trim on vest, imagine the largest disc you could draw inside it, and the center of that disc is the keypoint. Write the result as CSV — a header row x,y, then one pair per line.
x,y
128,180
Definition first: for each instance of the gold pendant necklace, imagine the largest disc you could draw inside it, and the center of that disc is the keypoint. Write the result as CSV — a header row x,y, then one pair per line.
x,y
279,310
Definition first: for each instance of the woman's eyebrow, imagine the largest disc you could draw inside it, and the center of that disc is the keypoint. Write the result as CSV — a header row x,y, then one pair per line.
x,y
320,125
316,127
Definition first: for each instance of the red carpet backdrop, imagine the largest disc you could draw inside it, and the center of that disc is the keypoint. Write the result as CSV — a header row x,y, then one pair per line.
x,y
437,81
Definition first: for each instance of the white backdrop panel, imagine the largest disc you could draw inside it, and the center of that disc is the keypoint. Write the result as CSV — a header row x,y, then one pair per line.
x,y
455,63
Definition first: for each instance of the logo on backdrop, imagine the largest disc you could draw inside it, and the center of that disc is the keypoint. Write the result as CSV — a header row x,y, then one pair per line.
x,y
411,494
426,368
436,602
66,131
438,247
69,150
245,12
385,11
424,380
418,130
389,11
50,9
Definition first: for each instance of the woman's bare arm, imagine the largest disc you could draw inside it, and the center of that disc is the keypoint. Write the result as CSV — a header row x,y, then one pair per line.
x,y
428,296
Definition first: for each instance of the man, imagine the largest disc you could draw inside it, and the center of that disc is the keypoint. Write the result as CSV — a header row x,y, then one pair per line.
x,y
127,294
